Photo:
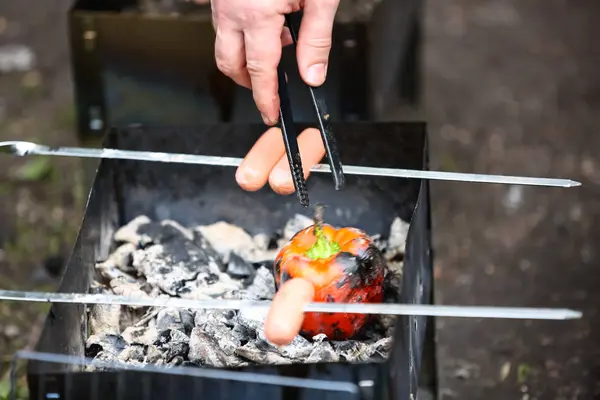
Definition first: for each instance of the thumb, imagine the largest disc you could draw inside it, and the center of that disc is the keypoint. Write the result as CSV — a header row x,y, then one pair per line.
x,y
314,40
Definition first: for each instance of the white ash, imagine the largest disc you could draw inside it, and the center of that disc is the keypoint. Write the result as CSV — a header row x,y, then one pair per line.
x,y
159,259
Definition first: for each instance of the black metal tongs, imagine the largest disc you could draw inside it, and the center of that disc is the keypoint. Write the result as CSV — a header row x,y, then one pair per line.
x,y
286,123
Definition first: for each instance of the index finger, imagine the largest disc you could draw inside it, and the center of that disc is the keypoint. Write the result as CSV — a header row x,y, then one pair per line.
x,y
263,52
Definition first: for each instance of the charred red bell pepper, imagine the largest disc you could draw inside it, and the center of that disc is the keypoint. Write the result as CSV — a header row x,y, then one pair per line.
x,y
343,265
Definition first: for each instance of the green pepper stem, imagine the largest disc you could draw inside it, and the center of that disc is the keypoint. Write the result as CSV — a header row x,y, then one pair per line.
x,y
323,247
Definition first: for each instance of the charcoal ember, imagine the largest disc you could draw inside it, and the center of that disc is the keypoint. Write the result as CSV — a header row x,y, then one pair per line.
x,y
172,343
353,351
215,284
129,233
176,361
132,354
169,265
239,268
122,258
297,349
261,355
219,261
241,294
106,343
162,232
396,244
322,352
252,319
204,350
104,318
174,318
154,355
204,245
204,318
263,284
295,225
379,242
229,341
226,238
122,287
108,271
383,346
222,330
266,248
262,241
144,335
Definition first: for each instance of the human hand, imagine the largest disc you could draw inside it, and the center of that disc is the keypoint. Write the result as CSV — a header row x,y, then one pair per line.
x,y
250,35
267,161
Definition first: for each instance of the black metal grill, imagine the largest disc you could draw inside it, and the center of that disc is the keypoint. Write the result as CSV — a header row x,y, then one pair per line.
x,y
192,194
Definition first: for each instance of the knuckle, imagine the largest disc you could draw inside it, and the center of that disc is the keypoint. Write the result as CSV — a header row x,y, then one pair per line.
x,y
253,12
225,66
257,68
320,43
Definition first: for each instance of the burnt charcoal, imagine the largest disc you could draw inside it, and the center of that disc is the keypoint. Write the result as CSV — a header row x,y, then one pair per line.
x,y
213,317
172,343
397,239
250,351
353,351
187,318
168,266
379,242
175,349
108,271
132,353
123,287
122,258
321,337
252,319
203,244
241,294
106,343
218,261
323,352
262,242
229,341
204,350
176,361
173,318
169,318
298,349
226,238
383,346
130,233
104,318
144,335
239,268
215,284
263,285
295,225
153,355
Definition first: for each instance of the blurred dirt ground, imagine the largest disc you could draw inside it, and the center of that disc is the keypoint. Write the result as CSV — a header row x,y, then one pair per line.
x,y
512,86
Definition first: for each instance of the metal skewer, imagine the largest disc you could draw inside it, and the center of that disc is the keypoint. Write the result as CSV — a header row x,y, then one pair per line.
x,y
384,309
21,148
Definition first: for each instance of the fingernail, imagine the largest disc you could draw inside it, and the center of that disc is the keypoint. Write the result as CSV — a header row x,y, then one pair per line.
x,y
245,176
316,74
267,120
